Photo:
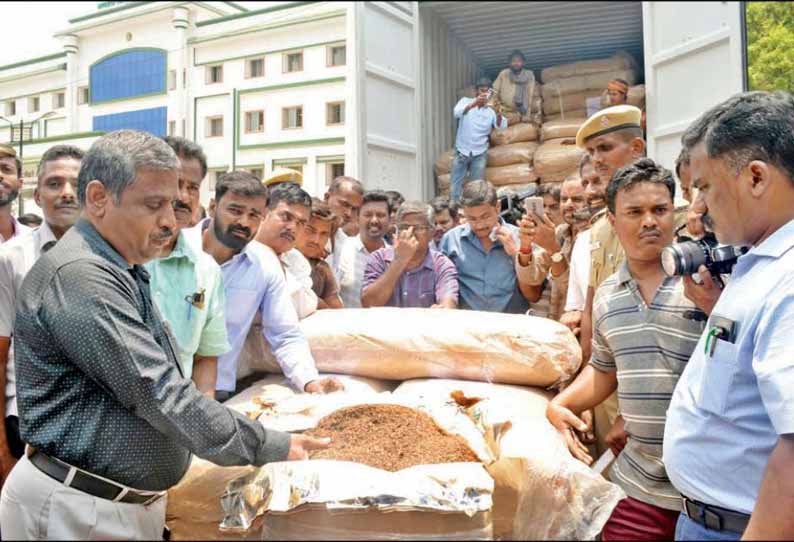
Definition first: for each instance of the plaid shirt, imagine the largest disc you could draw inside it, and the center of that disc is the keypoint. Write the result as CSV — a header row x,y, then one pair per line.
x,y
436,279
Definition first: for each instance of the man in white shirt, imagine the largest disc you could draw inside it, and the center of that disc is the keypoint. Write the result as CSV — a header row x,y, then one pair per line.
x,y
255,284
56,194
288,212
344,197
10,183
373,225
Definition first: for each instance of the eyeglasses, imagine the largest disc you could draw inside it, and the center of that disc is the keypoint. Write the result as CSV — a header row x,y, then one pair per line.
x,y
417,229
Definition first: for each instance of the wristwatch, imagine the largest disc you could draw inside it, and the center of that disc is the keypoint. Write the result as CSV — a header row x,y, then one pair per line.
x,y
557,257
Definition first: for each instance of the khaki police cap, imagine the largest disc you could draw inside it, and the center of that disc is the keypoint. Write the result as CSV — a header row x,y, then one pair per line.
x,y
608,120
284,175
7,150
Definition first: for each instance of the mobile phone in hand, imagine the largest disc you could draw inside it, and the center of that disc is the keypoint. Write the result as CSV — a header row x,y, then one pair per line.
x,y
534,204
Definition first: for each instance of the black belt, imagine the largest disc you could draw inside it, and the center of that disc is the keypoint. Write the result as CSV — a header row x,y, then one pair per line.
x,y
88,483
715,517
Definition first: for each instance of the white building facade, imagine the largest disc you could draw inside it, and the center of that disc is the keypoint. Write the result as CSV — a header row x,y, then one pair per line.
x,y
257,89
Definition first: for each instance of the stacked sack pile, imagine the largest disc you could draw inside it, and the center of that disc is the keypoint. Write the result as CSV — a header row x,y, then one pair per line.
x,y
570,92
525,154
510,158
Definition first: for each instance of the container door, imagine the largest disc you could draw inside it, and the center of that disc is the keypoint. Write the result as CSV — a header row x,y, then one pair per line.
x,y
694,59
383,149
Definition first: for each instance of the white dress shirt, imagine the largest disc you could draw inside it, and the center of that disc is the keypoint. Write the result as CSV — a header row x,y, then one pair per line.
x,y
19,229
299,282
17,256
579,273
352,264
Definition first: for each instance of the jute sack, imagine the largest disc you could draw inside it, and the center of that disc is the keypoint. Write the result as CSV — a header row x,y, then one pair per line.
x,y
443,164
541,492
562,128
443,182
398,344
557,157
582,83
514,174
572,114
514,153
194,505
523,131
620,61
569,102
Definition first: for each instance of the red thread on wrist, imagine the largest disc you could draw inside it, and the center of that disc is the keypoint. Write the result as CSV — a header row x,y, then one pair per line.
x,y
526,250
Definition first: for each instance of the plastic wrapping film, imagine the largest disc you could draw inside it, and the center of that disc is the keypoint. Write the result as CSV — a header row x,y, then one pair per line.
x,y
541,491
194,509
322,498
400,344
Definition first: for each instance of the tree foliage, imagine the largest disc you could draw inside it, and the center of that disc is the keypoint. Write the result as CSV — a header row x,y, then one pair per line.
x,y
770,45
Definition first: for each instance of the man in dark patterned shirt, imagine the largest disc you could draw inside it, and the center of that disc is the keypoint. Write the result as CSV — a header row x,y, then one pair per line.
x,y
108,416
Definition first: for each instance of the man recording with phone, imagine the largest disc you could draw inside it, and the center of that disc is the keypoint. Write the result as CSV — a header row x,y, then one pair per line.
x,y
729,438
475,118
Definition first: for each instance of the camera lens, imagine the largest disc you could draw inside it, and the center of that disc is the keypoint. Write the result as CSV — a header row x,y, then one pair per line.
x,y
683,258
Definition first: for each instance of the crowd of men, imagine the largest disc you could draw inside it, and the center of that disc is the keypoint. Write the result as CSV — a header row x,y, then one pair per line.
x,y
125,317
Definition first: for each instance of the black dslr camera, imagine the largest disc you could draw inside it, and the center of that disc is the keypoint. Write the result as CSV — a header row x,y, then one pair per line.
x,y
686,257
511,205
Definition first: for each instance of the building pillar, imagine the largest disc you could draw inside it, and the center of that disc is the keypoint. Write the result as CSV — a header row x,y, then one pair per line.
x,y
181,20
71,46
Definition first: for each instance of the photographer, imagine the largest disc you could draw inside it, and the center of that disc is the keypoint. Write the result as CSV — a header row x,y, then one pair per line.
x,y
729,439
476,119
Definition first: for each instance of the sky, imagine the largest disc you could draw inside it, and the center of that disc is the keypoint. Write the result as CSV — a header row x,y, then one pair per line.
x,y
30,26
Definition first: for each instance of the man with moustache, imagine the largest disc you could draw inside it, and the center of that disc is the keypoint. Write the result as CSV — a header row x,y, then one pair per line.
x,y
645,333
254,283
344,197
446,216
186,284
373,222
312,244
288,212
10,184
56,195
109,418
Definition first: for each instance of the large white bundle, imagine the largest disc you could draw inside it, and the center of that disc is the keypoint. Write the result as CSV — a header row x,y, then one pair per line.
x,y
514,174
557,157
399,344
620,61
542,492
582,83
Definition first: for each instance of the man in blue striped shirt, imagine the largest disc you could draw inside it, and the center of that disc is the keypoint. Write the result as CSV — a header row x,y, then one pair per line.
x,y
644,331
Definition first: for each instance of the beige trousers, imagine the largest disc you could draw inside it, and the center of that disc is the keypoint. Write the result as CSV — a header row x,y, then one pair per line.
x,y
33,506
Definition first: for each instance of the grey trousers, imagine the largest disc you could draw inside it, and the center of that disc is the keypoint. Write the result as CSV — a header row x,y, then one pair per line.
x,y
33,506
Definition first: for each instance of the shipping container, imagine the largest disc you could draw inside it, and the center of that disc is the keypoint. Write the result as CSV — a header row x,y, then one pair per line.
x,y
410,59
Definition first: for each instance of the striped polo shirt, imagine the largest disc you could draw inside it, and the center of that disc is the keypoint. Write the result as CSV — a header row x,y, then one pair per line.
x,y
648,346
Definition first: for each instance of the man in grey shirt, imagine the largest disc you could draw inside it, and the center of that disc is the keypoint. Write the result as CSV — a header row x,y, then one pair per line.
x,y
109,418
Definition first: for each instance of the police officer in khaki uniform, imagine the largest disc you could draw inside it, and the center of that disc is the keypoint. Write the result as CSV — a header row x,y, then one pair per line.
x,y
613,139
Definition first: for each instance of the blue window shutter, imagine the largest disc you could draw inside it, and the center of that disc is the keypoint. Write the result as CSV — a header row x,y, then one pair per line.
x,y
127,75
152,120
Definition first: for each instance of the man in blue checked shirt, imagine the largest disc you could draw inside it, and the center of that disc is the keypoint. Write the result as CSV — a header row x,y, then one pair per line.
x,y
729,438
475,118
